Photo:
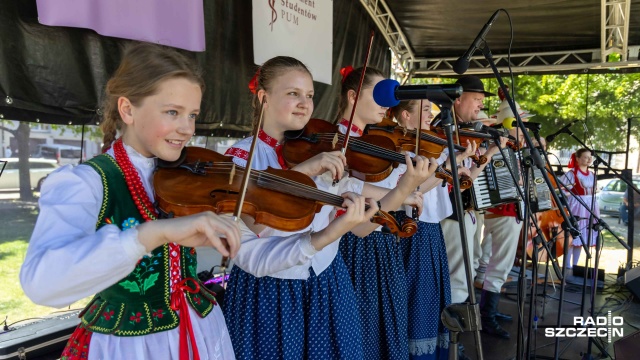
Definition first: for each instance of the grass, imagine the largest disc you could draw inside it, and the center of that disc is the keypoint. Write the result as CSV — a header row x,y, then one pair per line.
x,y
18,219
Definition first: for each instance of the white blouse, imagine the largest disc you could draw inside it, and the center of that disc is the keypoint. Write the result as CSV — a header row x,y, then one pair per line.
x,y
68,260
264,258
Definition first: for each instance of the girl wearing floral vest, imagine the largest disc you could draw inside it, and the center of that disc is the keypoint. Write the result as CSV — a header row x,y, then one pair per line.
x,y
98,233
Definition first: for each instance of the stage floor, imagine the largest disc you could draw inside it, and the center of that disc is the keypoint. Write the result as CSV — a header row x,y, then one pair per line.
x,y
612,297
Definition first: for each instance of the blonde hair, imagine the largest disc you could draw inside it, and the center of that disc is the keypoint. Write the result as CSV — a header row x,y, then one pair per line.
x,y
408,105
143,67
351,82
266,74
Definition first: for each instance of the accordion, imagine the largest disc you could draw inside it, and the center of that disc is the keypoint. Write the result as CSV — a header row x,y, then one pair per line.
x,y
539,193
495,186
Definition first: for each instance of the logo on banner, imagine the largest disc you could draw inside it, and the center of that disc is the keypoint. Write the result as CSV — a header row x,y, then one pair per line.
x,y
599,326
274,13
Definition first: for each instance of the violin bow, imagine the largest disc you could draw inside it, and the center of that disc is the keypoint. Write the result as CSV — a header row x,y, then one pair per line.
x,y
345,143
245,179
414,211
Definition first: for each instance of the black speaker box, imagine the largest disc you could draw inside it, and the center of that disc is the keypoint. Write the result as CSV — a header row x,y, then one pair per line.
x,y
632,281
628,347
42,339
578,271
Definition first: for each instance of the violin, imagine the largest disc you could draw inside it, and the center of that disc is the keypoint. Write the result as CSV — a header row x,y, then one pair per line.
x,y
430,146
286,200
473,137
371,158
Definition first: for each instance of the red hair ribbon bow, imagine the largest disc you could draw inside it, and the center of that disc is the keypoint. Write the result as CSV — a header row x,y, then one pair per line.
x,y
345,71
572,162
253,83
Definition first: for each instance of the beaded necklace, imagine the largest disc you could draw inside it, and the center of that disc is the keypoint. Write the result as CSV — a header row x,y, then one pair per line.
x,y
132,178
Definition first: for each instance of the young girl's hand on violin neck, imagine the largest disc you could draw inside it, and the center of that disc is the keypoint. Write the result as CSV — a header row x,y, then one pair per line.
x,y
463,171
333,161
415,199
418,173
470,151
202,229
354,216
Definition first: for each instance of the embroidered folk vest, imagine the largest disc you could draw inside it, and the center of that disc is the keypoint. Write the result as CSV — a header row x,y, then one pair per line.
x,y
138,304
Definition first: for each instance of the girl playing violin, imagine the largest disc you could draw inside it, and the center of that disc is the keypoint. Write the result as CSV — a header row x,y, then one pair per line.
x,y
375,261
292,298
97,231
425,254
580,180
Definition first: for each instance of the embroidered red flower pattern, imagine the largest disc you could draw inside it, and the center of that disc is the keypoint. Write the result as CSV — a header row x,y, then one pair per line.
x,y
93,308
158,314
136,317
197,299
107,315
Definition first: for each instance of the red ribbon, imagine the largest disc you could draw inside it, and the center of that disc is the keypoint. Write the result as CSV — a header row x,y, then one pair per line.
x,y
572,162
179,303
345,71
253,83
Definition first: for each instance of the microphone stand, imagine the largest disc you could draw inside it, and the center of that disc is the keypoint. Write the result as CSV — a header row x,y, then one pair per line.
x,y
597,226
538,162
459,317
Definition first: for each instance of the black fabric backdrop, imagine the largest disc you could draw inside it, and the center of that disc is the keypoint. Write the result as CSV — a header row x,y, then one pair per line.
x,y
56,74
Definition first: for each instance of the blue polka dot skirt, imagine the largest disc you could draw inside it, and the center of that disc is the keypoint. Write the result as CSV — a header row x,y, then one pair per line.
x,y
427,272
376,269
317,318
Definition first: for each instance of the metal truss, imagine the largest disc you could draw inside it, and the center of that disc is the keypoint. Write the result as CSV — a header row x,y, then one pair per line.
x,y
388,26
614,27
557,61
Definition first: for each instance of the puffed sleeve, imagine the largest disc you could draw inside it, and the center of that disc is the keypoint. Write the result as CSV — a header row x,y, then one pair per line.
x,y
67,259
264,256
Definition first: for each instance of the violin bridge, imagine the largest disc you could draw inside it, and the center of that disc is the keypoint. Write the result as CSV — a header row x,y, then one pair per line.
x,y
232,173
335,141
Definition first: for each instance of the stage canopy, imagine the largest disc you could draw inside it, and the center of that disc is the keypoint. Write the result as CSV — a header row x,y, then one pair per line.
x,y
57,74
552,36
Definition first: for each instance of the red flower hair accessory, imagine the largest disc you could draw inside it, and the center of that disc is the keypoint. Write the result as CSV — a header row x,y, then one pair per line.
x,y
572,161
253,83
345,71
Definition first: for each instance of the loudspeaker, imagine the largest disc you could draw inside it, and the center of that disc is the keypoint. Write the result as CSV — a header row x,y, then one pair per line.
x,y
628,347
578,271
42,339
632,281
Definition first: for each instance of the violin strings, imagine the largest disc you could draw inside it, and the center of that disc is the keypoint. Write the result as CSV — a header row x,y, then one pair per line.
x,y
256,175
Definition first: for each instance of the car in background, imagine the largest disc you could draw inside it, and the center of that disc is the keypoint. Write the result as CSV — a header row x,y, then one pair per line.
x,y
610,197
62,154
39,169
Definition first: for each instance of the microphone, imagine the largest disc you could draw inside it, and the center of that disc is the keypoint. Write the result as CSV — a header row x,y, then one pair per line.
x,y
564,129
462,64
510,124
389,93
478,126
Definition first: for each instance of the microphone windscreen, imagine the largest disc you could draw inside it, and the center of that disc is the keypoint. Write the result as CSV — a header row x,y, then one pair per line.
x,y
508,123
384,93
461,65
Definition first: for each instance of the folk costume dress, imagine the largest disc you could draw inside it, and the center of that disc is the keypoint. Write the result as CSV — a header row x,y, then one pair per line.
x,y
427,272
377,271
85,242
284,299
582,187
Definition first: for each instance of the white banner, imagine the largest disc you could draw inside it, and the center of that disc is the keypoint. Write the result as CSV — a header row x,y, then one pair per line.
x,y
302,29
